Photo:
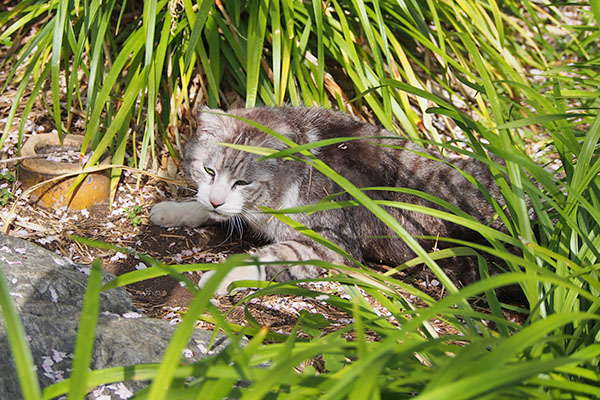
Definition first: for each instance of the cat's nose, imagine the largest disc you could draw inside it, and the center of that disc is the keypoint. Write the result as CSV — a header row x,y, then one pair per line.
x,y
217,196
216,203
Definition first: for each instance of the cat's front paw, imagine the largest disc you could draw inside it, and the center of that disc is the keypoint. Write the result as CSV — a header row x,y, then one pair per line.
x,y
172,213
251,273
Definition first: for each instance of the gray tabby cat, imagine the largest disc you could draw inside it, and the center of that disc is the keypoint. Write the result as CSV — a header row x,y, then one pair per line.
x,y
232,184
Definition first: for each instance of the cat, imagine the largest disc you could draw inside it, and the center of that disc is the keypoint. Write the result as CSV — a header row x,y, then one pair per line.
x,y
232,184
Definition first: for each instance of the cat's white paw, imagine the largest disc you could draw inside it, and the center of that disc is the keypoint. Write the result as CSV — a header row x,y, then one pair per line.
x,y
172,213
253,272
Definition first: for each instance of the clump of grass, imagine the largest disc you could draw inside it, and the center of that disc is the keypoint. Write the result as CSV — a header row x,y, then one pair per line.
x,y
554,353
407,66
145,67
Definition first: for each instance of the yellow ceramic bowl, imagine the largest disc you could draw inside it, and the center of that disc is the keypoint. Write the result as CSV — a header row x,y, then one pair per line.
x,y
93,190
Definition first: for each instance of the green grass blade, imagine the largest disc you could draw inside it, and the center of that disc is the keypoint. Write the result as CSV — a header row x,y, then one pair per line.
x,y
537,120
595,4
154,69
84,346
257,25
97,59
21,354
490,381
166,372
118,158
197,23
320,76
277,44
140,372
130,50
57,49
118,121
18,96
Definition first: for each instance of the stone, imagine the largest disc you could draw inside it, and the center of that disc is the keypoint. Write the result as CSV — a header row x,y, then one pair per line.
x,y
48,291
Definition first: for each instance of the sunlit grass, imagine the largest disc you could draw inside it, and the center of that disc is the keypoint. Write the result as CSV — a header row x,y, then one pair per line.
x,y
474,78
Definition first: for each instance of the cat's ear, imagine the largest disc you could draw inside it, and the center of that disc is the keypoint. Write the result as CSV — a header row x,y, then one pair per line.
x,y
210,120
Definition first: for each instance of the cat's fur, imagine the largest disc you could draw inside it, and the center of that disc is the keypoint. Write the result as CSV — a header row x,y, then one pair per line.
x,y
233,183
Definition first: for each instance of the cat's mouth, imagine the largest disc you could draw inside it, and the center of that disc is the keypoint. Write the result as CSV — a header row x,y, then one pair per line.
x,y
220,215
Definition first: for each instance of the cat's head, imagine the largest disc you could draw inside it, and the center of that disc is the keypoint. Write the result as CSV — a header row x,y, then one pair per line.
x,y
230,182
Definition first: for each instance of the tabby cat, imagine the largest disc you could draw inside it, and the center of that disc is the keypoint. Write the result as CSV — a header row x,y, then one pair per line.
x,y
232,184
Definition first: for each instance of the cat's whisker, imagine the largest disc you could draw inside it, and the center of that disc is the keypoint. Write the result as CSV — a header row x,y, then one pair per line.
x,y
229,230
235,224
192,191
239,225
252,219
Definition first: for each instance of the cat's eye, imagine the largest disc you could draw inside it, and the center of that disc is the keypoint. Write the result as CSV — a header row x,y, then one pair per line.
x,y
241,183
209,171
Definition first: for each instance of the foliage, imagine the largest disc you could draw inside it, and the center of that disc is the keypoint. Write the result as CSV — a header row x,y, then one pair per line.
x,y
129,67
5,194
133,213
495,72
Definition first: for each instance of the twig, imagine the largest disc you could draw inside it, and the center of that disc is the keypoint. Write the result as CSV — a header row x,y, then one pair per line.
x,y
7,160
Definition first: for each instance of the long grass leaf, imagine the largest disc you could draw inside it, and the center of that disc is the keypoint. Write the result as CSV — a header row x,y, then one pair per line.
x,y
256,35
130,50
166,372
490,381
18,96
116,125
84,345
57,47
140,372
196,22
154,70
21,354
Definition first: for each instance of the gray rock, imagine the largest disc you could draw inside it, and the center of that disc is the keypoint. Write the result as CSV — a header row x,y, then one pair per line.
x,y
48,293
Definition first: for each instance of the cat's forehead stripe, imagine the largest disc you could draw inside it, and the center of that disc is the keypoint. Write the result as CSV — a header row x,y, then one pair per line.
x,y
219,163
236,167
237,164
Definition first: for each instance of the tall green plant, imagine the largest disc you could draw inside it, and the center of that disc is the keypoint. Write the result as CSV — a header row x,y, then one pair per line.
x,y
139,60
389,57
